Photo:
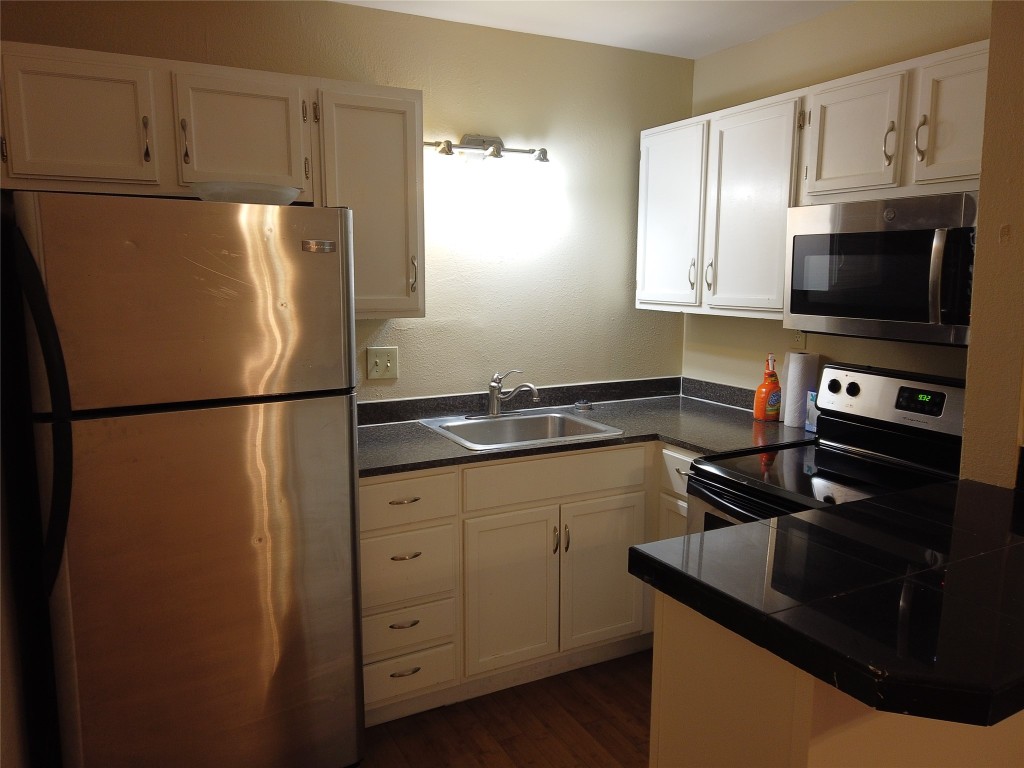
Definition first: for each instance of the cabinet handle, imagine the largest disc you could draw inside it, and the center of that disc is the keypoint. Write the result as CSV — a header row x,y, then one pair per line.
x,y
316,111
415,274
885,140
400,502
403,558
306,168
917,137
691,273
567,537
680,472
708,274
145,132
554,551
404,624
407,672
3,148
305,115
185,158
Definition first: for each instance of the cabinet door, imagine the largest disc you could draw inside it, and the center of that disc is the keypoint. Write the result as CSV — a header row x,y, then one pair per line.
x,y
671,215
854,135
950,119
372,150
79,120
750,188
245,130
600,600
511,587
672,517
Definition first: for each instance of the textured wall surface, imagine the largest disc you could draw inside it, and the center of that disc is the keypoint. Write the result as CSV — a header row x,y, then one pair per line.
x,y
529,266
995,364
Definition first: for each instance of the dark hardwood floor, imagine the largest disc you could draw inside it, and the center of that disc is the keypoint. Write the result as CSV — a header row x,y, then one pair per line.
x,y
591,717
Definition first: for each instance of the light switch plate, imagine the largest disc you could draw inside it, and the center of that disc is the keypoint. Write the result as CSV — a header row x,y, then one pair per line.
x,y
382,362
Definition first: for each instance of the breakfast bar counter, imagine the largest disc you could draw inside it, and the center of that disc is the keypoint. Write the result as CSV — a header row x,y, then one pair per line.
x,y
794,641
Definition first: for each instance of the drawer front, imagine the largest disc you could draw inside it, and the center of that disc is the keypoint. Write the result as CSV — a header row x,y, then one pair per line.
x,y
408,674
419,625
548,478
408,501
403,566
674,466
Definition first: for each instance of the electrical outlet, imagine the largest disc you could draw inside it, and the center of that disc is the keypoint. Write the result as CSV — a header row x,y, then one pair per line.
x,y
382,362
799,340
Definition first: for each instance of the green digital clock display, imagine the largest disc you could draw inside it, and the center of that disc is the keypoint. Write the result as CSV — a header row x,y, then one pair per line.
x,y
924,401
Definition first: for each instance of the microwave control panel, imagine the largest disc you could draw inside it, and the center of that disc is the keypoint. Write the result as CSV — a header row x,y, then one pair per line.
x,y
892,397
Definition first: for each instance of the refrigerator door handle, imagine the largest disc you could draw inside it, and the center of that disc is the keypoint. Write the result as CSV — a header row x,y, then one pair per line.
x,y
34,290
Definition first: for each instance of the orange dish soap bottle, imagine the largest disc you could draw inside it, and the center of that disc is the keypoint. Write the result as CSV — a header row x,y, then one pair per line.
x,y
768,396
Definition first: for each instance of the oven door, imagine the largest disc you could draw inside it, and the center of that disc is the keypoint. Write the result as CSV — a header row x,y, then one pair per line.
x,y
718,505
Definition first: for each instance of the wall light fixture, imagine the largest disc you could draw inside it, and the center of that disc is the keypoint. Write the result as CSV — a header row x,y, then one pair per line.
x,y
490,146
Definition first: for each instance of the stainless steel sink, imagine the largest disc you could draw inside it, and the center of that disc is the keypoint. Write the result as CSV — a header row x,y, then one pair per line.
x,y
518,430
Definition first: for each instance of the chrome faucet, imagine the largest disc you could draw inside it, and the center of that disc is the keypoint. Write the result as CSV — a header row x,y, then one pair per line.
x,y
495,397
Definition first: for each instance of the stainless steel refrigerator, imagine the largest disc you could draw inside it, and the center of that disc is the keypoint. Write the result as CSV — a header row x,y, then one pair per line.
x,y
194,416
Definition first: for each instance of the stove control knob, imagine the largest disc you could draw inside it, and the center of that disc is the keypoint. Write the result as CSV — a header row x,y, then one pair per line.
x,y
835,386
853,389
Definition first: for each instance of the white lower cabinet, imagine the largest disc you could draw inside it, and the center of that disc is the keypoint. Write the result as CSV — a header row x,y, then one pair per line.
x,y
550,579
409,583
673,507
469,572
550,574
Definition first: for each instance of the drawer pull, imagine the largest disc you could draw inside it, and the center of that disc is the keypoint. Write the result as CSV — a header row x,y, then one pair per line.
x,y
406,672
400,502
410,556
404,624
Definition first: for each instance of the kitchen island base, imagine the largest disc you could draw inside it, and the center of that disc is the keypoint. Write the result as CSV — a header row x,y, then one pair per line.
x,y
720,700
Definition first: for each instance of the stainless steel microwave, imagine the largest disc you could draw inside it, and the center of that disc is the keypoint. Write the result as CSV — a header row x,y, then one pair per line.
x,y
886,269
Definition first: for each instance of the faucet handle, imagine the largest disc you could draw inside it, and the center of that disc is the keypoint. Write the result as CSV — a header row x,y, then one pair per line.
x,y
499,377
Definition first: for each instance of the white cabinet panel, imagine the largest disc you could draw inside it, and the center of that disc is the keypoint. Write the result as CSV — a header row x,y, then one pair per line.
x,y
750,188
600,600
372,154
673,517
855,134
80,120
950,119
240,129
671,215
511,587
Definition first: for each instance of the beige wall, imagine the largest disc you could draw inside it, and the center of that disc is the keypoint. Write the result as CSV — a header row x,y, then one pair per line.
x,y
528,266
995,369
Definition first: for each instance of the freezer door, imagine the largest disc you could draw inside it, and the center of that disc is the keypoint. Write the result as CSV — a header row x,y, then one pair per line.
x,y
163,301
207,593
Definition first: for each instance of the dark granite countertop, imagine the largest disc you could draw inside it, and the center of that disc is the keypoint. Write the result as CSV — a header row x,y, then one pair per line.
x,y
911,602
686,422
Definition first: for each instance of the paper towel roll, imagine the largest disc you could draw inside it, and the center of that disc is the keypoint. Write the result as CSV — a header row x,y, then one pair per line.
x,y
799,376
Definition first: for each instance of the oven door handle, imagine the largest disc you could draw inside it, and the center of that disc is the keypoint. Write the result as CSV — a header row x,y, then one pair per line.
x,y
728,509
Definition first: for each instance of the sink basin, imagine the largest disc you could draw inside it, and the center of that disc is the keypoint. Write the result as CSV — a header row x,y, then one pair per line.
x,y
518,430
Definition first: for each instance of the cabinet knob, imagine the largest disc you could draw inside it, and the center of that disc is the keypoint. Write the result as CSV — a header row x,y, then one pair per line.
x,y
185,157
403,558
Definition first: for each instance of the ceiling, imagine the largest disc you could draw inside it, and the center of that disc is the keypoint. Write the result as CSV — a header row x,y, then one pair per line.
x,y
690,29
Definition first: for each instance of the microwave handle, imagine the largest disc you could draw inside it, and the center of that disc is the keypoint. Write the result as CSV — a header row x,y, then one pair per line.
x,y
935,277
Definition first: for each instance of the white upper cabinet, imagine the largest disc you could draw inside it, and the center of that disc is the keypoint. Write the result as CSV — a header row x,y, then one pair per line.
x,y
670,224
372,156
79,120
750,188
241,129
854,135
949,119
